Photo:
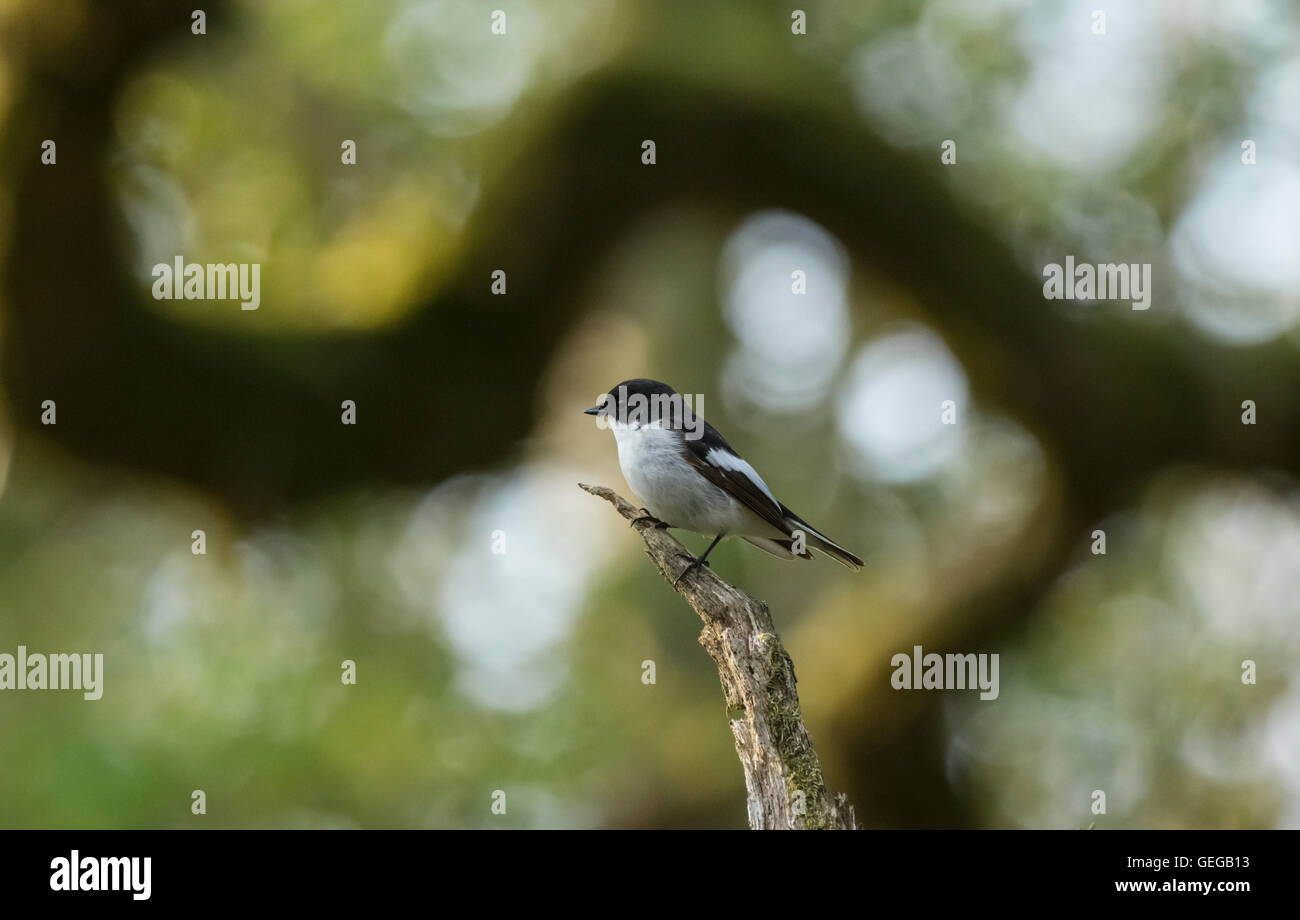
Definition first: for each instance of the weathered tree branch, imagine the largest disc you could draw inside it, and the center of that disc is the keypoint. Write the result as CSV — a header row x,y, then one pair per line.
x,y
782,774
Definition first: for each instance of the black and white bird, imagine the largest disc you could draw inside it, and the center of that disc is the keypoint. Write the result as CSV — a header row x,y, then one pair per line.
x,y
690,478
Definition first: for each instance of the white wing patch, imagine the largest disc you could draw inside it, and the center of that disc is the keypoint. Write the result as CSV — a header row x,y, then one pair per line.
x,y
725,460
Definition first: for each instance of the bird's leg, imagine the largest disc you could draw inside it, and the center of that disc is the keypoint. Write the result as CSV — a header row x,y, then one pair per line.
x,y
647,516
703,560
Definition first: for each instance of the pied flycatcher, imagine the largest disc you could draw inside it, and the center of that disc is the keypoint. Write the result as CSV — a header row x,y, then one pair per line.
x,y
690,478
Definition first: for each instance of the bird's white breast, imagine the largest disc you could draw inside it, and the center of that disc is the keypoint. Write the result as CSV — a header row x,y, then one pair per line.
x,y
672,490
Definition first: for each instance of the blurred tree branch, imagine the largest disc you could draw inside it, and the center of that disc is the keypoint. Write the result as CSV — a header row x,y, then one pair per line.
x,y
783,777
254,417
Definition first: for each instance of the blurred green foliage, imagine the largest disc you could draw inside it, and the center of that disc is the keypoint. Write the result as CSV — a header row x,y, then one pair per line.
x,y
521,670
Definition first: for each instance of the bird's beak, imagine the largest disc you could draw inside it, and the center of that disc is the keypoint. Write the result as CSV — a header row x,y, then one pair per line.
x,y
592,411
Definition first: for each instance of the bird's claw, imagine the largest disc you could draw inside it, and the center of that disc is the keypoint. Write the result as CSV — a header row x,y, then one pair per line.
x,y
647,516
695,563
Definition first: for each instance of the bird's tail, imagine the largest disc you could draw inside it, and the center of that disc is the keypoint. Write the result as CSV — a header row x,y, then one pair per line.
x,y
813,539
834,550
781,549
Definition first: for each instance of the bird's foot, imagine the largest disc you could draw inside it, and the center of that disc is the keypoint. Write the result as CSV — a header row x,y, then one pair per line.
x,y
646,516
695,564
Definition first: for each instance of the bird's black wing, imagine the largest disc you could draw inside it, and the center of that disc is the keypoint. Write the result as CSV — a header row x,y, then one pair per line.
x,y
714,459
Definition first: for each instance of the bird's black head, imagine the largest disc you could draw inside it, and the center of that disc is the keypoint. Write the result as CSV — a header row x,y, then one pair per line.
x,y
641,401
